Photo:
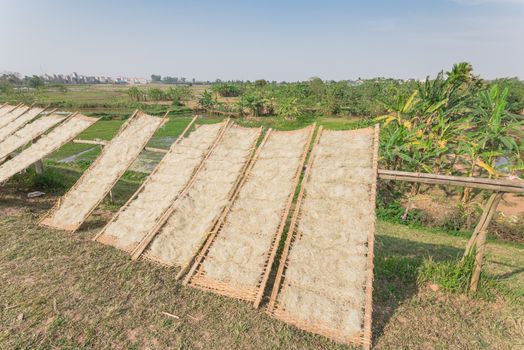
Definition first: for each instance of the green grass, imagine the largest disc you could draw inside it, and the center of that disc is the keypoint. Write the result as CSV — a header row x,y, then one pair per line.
x,y
74,293
103,130
107,129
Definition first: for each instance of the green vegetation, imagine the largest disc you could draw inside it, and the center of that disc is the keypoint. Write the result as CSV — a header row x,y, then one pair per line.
x,y
456,123
452,125
226,90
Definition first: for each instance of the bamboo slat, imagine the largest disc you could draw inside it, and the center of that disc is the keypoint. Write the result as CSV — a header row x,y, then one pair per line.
x,y
368,309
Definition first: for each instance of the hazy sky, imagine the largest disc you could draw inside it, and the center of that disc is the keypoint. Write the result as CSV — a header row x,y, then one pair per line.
x,y
275,40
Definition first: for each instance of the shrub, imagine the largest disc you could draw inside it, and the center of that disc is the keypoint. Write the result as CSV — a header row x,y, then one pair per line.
x,y
50,180
156,94
226,90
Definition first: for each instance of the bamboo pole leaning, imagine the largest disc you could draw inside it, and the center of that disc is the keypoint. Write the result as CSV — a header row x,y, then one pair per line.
x,y
478,238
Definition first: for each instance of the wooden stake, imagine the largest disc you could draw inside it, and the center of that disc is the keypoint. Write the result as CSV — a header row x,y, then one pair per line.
x,y
39,167
481,224
480,242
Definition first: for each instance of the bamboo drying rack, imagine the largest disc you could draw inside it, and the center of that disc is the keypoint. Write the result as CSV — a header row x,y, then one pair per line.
x,y
184,267
73,227
197,277
363,337
100,237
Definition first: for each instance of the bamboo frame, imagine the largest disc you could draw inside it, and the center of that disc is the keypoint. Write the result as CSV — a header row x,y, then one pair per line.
x,y
25,122
2,113
12,109
67,117
198,279
185,267
74,115
363,337
435,179
215,221
292,232
24,110
143,185
199,258
72,228
139,249
218,220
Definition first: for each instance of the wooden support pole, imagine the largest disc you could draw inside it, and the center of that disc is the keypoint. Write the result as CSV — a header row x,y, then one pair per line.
x,y
481,224
480,241
39,167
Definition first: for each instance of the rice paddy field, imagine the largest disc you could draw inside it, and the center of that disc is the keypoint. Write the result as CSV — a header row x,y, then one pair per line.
x,y
62,290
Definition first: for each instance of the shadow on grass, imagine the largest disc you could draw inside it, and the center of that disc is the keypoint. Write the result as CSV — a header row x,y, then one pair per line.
x,y
396,265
